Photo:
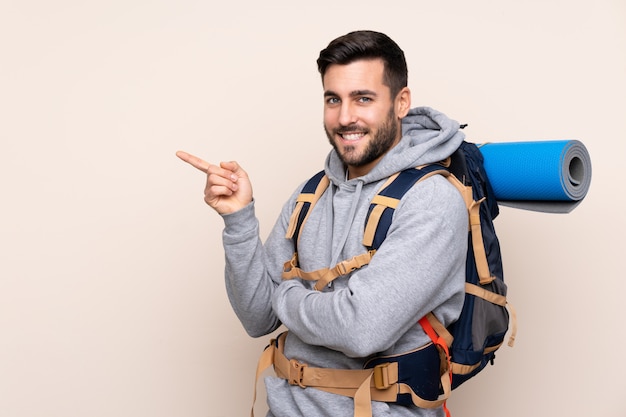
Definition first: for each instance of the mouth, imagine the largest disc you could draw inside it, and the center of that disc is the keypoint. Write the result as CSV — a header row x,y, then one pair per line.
x,y
351,136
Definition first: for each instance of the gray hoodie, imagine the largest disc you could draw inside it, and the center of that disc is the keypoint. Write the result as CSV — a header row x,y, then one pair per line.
x,y
372,311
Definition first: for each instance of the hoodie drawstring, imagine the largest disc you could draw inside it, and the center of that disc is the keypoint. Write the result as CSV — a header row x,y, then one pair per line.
x,y
346,229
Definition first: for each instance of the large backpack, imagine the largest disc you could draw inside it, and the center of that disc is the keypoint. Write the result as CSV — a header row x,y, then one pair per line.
x,y
465,346
484,321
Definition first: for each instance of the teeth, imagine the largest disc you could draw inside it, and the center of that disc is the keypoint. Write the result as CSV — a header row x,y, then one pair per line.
x,y
352,136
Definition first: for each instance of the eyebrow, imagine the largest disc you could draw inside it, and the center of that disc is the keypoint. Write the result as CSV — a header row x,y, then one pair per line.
x,y
355,93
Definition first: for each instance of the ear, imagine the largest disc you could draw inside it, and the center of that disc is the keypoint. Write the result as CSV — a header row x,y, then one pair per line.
x,y
403,102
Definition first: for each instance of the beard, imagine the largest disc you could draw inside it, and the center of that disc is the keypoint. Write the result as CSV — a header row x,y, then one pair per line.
x,y
383,140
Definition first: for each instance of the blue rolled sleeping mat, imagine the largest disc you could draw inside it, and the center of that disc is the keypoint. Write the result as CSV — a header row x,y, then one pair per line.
x,y
548,176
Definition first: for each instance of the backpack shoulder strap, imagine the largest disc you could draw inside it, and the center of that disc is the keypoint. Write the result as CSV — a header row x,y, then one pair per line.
x,y
384,203
310,194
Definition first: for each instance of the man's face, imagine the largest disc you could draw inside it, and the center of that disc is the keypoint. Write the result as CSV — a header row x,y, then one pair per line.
x,y
361,119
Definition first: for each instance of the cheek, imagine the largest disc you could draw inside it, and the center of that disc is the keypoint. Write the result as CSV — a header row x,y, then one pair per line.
x,y
330,118
371,117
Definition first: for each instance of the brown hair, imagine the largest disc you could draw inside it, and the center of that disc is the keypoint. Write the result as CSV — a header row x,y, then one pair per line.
x,y
367,44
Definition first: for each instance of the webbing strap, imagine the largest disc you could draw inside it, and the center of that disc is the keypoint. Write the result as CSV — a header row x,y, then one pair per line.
x,y
374,217
473,210
513,315
265,361
324,276
385,201
490,296
306,200
293,220
363,385
482,266
420,402
434,325
464,190
372,225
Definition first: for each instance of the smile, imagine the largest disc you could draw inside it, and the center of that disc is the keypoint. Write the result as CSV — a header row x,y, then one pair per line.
x,y
352,136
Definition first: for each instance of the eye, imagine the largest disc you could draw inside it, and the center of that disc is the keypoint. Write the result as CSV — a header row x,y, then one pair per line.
x,y
332,100
364,99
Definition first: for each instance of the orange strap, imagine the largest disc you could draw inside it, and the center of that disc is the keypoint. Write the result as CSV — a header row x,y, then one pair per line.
x,y
439,341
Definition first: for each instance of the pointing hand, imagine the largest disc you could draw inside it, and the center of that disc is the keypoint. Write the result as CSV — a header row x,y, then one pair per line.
x,y
228,187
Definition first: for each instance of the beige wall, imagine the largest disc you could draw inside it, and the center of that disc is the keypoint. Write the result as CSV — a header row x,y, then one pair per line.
x,y
112,300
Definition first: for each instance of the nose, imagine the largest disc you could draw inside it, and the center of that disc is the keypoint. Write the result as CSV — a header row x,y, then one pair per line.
x,y
347,115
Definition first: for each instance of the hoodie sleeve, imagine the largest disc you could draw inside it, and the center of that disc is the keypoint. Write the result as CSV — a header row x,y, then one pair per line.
x,y
253,269
419,268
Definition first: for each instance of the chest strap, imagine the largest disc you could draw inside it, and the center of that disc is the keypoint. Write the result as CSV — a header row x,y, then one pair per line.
x,y
325,275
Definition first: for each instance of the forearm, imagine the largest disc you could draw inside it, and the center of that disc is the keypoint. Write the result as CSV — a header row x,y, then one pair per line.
x,y
374,310
248,282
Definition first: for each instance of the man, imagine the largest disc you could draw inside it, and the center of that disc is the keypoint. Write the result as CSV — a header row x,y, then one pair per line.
x,y
419,268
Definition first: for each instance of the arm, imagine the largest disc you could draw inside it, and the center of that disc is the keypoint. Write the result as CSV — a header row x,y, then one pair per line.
x,y
419,268
248,273
248,282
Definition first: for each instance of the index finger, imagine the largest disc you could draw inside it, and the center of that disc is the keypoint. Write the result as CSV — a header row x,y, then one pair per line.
x,y
194,161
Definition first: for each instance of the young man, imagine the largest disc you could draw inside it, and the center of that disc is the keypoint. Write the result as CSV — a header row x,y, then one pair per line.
x,y
419,268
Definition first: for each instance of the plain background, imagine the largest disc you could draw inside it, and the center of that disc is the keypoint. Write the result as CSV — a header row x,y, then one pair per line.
x,y
112,300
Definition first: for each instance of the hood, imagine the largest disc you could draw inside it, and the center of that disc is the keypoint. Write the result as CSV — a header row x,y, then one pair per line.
x,y
427,136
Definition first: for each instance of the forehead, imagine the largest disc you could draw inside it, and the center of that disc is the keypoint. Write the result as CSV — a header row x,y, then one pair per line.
x,y
365,74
